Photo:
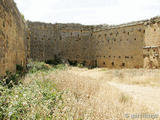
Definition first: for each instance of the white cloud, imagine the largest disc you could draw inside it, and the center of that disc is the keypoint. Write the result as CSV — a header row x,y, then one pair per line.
x,y
89,11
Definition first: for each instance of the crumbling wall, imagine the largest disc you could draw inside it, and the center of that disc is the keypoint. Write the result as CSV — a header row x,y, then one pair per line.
x,y
12,47
151,57
152,43
152,30
120,47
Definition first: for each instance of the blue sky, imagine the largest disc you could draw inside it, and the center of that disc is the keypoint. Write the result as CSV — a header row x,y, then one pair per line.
x,y
88,11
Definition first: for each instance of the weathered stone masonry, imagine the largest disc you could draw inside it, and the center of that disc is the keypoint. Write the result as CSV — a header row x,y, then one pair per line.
x,y
122,46
12,42
67,41
151,51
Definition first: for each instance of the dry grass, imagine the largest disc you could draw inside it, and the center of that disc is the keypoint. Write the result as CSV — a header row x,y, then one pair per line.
x,y
134,76
94,99
88,96
71,93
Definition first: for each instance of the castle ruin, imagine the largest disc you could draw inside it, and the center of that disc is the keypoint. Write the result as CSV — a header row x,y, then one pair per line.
x,y
131,45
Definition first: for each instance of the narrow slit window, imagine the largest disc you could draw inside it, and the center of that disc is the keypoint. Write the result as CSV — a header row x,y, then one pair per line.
x,y
126,56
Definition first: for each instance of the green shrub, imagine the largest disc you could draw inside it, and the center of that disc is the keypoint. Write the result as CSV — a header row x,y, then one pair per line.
x,y
34,101
19,68
60,67
36,66
23,17
10,79
80,65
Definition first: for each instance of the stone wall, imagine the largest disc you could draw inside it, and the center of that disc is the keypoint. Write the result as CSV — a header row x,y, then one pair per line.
x,y
76,44
132,45
66,41
152,43
42,37
152,28
12,47
120,47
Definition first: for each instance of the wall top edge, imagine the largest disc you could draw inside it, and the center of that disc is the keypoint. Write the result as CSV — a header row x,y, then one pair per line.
x,y
98,28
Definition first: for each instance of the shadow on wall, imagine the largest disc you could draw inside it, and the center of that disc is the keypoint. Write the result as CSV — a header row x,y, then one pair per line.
x,y
57,60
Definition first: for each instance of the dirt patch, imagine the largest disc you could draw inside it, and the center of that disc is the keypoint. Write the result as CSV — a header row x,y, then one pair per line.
x,y
149,96
143,93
